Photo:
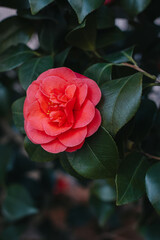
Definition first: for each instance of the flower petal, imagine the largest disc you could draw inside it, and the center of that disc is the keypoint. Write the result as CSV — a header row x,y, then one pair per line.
x,y
43,101
72,149
35,115
85,115
54,146
81,95
53,129
95,124
52,83
25,108
62,72
31,91
73,137
36,136
70,91
94,92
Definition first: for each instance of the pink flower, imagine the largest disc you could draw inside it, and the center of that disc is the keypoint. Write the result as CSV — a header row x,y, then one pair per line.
x,y
108,2
59,110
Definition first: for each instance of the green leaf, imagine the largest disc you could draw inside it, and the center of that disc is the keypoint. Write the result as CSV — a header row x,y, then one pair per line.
x,y
13,31
121,57
36,6
84,7
86,32
14,57
97,159
104,190
17,4
17,111
52,35
108,37
120,101
37,153
100,72
105,17
67,166
144,120
61,57
17,204
133,7
153,186
31,69
130,179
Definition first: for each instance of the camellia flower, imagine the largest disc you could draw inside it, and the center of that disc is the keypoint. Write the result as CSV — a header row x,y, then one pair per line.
x,y
59,110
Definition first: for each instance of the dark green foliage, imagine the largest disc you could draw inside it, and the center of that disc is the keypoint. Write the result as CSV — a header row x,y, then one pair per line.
x,y
118,164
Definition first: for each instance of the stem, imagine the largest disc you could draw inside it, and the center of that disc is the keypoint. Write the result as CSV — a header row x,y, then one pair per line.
x,y
37,54
152,84
134,62
151,156
139,70
97,55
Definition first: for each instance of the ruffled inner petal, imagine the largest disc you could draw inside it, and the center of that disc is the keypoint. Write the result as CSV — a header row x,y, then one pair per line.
x,y
54,147
95,124
85,115
36,136
53,129
52,83
73,137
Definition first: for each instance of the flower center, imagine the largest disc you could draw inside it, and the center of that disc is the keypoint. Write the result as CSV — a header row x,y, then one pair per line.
x,y
59,105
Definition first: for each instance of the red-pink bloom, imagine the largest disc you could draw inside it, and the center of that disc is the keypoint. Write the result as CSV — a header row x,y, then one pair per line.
x,y
59,110
108,2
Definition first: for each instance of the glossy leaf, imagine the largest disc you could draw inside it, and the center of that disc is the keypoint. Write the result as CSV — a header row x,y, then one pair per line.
x,y
85,31
18,203
84,7
133,7
36,153
31,69
98,158
130,179
61,57
36,6
18,4
67,166
100,72
105,18
13,31
153,186
144,120
14,56
52,35
120,57
17,111
109,37
104,190
120,101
